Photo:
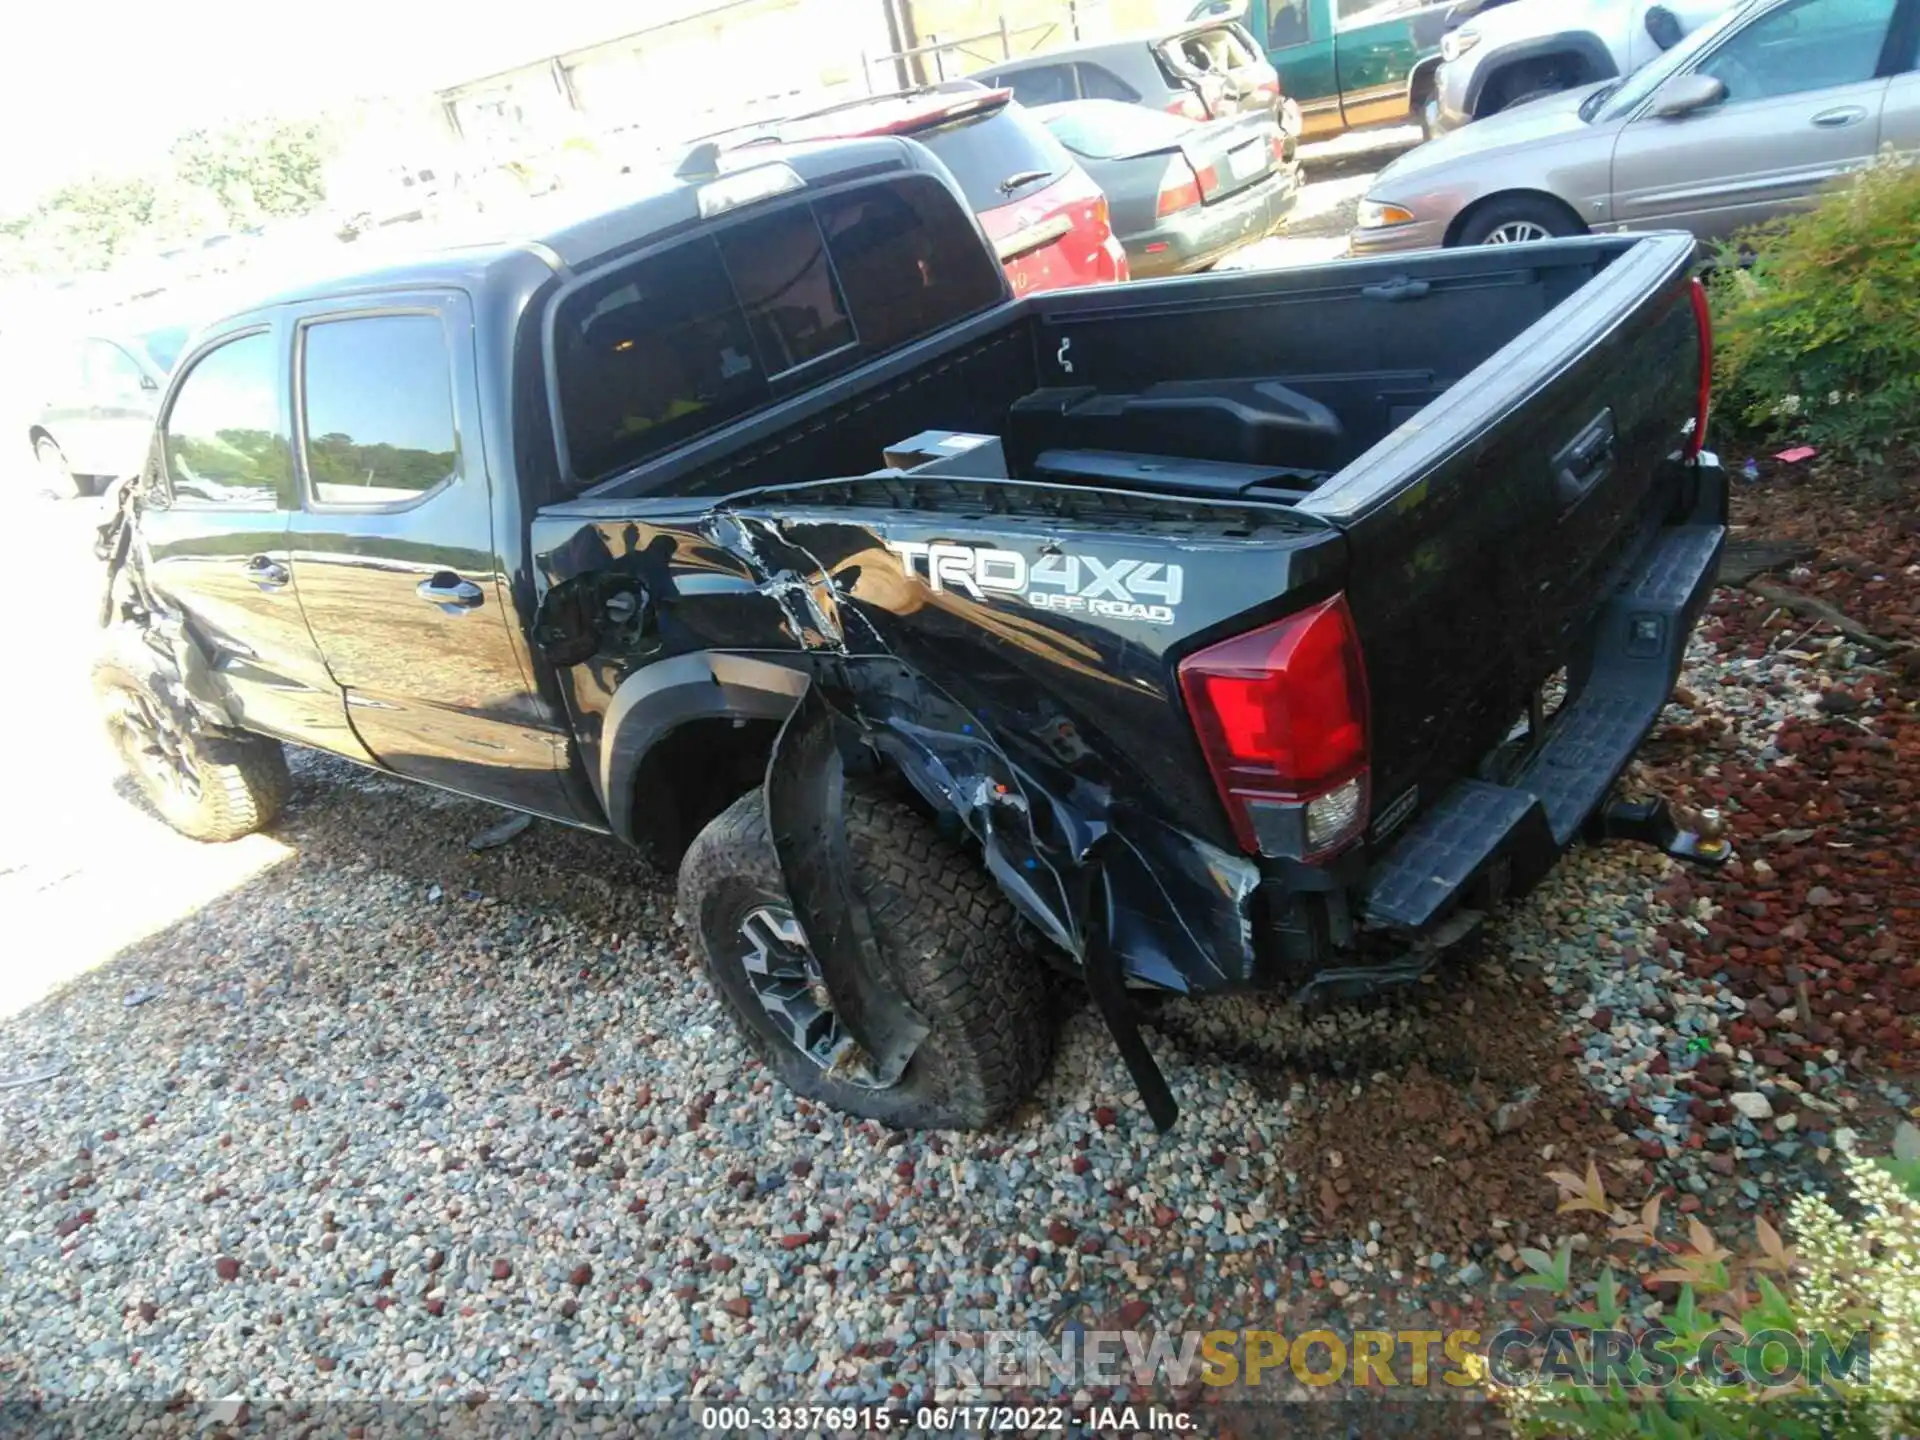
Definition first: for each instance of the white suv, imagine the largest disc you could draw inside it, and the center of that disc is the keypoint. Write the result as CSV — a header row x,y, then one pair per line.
x,y
1514,53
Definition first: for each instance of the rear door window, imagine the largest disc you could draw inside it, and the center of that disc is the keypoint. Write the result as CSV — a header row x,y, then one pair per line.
x,y
987,154
377,401
677,343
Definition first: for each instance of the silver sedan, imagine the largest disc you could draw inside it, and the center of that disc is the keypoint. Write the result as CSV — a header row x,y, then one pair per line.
x,y
1749,116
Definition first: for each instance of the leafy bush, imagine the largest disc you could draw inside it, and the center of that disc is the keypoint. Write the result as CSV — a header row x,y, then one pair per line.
x,y
1820,337
1836,1279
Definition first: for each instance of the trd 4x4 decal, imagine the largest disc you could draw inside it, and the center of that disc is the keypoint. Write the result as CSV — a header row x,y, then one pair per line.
x,y
1143,590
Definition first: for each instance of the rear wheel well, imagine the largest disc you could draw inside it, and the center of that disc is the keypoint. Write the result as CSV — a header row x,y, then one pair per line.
x,y
1555,70
1575,224
692,775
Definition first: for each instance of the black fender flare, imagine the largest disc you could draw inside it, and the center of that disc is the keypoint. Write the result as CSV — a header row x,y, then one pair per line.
x,y
1588,47
654,701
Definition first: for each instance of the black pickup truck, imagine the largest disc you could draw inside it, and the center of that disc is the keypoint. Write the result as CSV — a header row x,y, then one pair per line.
x,y
1184,637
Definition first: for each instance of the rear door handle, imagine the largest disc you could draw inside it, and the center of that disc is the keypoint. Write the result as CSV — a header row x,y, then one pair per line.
x,y
1839,119
267,574
450,592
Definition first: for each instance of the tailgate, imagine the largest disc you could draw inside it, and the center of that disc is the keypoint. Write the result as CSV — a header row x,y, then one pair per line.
x,y
1485,537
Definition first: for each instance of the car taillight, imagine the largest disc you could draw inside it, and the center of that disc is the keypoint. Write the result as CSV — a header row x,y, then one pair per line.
x,y
1102,217
1703,402
1179,188
1277,143
1190,106
1281,713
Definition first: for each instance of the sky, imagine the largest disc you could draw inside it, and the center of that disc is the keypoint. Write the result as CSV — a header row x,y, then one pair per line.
x,y
108,84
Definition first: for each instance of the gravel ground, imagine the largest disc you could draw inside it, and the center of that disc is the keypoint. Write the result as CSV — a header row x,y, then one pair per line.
x,y
377,1116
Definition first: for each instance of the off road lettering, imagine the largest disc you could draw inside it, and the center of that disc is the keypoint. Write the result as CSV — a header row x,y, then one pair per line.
x,y
1142,590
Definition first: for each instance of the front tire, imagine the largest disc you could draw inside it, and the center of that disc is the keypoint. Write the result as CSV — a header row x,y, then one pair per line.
x,y
949,942
1517,220
207,787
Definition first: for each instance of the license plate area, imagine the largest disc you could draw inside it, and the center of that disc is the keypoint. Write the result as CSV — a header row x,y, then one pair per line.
x,y
1247,161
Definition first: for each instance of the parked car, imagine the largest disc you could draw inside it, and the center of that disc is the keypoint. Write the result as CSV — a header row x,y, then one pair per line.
x,y
1752,115
1182,194
1519,53
1172,635
1349,64
1046,217
1201,71
97,418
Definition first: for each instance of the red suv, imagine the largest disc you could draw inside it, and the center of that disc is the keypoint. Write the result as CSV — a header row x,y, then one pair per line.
x,y
1044,214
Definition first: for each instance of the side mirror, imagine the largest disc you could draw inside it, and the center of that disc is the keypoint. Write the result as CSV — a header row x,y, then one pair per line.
x,y
1686,95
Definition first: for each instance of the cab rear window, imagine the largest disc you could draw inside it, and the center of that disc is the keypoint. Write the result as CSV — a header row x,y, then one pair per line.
x,y
670,346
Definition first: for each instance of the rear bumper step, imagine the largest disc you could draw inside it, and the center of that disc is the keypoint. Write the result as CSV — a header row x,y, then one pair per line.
x,y
1506,837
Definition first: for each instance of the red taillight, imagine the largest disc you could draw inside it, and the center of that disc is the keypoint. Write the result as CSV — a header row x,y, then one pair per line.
x,y
1277,143
1179,188
1703,405
1190,106
1281,713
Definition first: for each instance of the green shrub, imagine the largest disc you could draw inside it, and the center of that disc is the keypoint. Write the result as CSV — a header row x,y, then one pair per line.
x,y
1837,1278
1820,339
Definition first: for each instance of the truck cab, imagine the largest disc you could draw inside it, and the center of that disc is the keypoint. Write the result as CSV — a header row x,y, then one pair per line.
x,y
1351,64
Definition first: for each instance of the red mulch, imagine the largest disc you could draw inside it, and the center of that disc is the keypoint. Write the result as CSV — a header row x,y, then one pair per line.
x,y
1833,913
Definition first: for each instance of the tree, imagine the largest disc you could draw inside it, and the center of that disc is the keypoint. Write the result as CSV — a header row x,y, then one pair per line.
x,y
258,169
229,178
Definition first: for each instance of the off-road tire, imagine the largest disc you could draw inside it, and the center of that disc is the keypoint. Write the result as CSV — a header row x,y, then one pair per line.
x,y
243,779
948,940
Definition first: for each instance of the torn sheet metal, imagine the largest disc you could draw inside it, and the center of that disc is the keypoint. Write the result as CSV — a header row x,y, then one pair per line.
x,y
1014,667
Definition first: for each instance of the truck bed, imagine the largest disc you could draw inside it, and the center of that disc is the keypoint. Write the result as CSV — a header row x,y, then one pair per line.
x,y
1481,449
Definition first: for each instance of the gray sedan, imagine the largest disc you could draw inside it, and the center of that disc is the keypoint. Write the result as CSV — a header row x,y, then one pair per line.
x,y
100,397
1181,194
1748,117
